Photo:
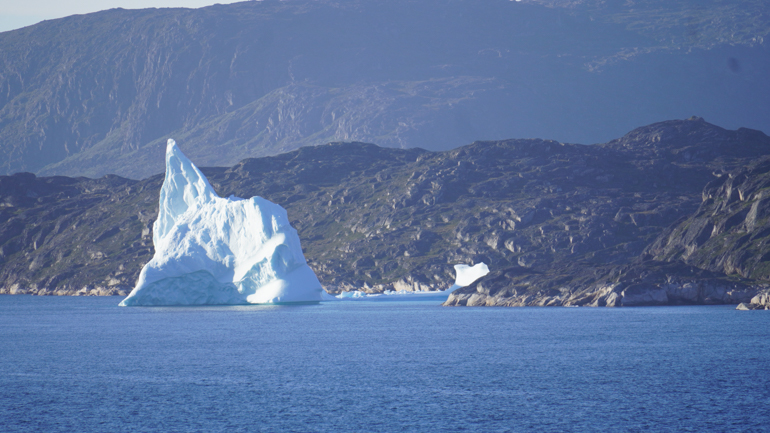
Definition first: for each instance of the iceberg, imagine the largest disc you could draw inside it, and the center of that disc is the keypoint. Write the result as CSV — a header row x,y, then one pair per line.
x,y
211,250
464,276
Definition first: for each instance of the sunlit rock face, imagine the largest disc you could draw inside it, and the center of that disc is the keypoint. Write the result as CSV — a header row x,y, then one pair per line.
x,y
213,251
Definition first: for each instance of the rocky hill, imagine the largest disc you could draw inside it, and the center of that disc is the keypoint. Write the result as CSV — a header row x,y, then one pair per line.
x,y
730,231
99,93
559,224
716,254
74,235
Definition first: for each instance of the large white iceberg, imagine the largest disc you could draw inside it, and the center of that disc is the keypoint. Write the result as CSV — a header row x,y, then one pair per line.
x,y
212,251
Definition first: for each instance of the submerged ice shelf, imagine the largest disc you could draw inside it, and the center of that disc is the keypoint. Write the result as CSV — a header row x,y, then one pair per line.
x,y
464,276
211,250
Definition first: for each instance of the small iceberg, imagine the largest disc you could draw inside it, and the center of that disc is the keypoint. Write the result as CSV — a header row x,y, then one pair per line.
x,y
211,250
464,276
467,275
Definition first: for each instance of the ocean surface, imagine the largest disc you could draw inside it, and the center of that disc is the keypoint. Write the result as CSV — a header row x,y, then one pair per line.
x,y
86,365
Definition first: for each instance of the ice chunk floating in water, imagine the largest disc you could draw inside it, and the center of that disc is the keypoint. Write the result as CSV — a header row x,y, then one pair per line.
x,y
464,276
212,251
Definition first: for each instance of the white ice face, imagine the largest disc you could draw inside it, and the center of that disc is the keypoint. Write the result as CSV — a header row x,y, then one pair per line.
x,y
466,275
213,251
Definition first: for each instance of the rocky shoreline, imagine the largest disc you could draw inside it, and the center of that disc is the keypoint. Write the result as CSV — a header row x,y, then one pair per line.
x,y
759,302
88,290
615,295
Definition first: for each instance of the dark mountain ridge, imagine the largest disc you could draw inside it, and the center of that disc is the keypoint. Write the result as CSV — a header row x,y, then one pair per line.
x,y
99,93
559,224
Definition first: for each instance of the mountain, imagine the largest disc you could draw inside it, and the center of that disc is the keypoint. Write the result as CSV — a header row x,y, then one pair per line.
x,y
99,93
557,223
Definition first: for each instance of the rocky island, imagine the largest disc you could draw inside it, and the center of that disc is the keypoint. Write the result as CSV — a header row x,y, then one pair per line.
x,y
672,213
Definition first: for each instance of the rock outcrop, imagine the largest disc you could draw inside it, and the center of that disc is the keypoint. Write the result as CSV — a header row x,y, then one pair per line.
x,y
729,232
74,236
645,284
759,302
689,261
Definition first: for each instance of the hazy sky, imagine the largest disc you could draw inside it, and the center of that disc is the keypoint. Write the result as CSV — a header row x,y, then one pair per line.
x,y
15,14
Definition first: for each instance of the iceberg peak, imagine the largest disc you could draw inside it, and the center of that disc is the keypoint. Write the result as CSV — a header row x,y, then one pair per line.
x,y
184,187
212,250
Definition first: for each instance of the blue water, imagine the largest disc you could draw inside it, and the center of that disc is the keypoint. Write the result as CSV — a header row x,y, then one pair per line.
x,y
86,365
